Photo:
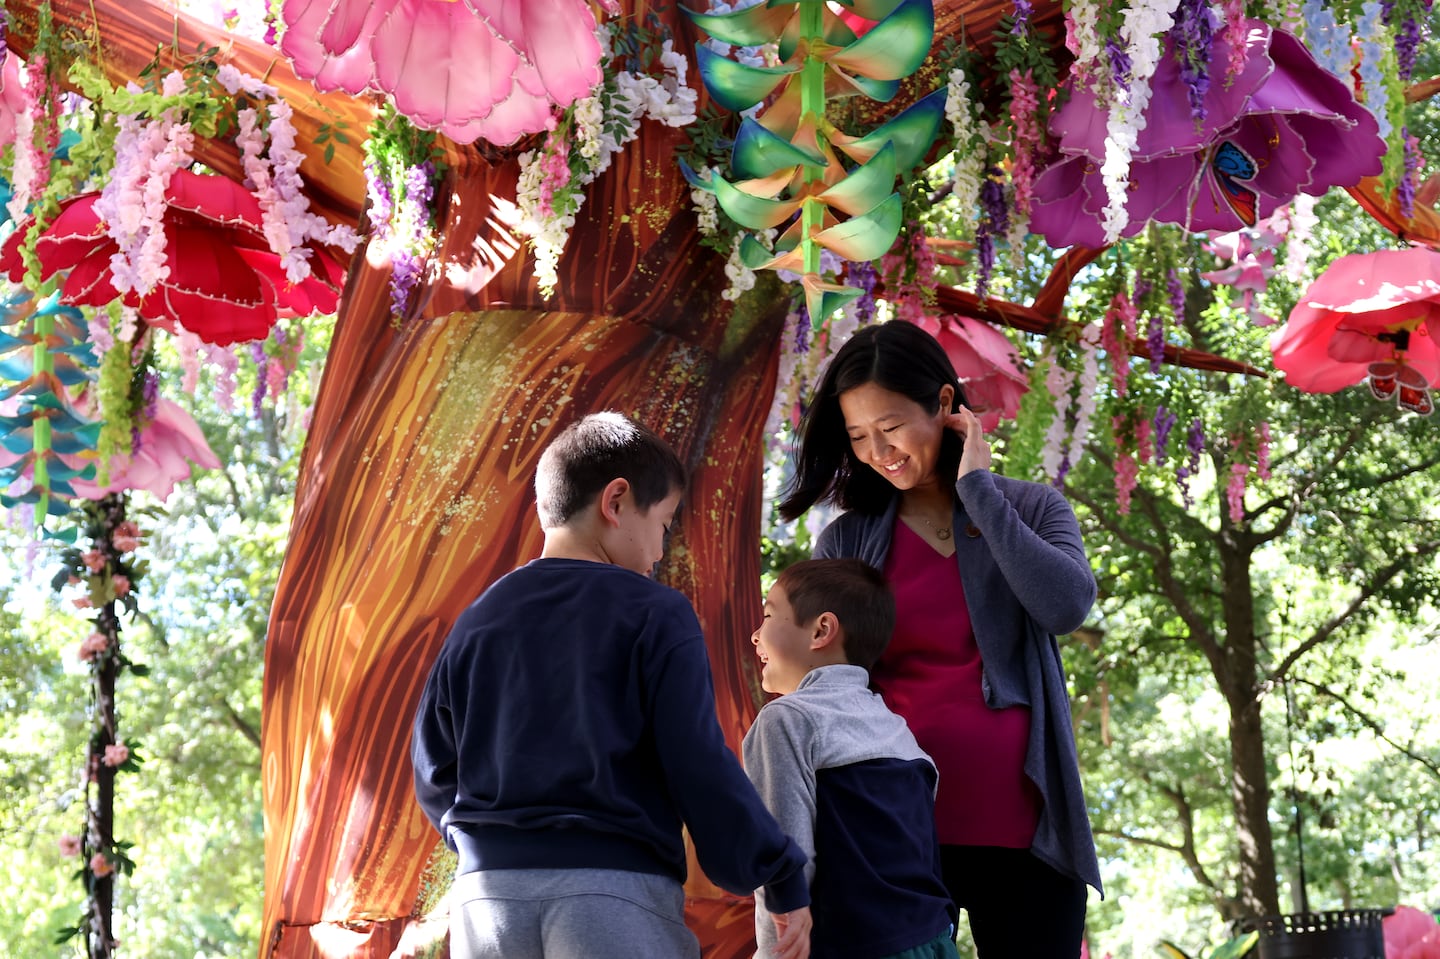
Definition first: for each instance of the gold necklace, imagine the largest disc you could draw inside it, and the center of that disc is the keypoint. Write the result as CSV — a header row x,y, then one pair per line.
x,y
942,533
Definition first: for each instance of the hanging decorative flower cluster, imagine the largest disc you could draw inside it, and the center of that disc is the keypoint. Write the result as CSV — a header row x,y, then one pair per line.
x,y
784,167
158,246
401,168
589,133
106,577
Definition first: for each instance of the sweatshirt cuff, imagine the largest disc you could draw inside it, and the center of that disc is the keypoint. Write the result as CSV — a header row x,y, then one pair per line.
x,y
787,894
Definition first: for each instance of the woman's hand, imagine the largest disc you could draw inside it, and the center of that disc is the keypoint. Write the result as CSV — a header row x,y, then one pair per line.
x,y
977,449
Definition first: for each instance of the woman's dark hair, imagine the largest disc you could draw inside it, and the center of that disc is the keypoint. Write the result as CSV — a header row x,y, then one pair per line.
x,y
896,356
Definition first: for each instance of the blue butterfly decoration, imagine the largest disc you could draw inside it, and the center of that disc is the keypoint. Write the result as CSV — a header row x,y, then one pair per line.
x,y
1229,165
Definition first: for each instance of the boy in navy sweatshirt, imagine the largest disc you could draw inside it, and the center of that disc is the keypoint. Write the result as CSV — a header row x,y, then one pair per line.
x,y
568,731
843,774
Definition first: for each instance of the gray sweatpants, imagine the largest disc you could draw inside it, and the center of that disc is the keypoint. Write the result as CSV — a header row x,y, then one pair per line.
x,y
568,914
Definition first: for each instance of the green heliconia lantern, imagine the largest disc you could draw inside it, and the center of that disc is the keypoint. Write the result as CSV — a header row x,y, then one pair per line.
x,y
786,166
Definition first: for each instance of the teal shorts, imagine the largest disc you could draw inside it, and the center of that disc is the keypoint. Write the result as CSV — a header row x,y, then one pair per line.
x,y
941,947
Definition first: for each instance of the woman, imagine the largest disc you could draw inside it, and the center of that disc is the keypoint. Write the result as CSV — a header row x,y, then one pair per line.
x,y
986,572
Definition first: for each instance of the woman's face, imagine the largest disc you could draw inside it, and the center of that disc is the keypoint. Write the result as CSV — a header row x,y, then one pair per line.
x,y
894,435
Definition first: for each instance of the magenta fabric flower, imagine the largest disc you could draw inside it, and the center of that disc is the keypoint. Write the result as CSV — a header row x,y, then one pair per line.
x,y
1411,933
469,68
987,363
1280,126
116,754
167,446
1365,310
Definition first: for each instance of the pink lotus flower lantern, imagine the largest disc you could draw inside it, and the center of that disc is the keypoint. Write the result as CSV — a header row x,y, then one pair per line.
x,y
164,450
1411,933
988,366
1279,126
467,68
1371,317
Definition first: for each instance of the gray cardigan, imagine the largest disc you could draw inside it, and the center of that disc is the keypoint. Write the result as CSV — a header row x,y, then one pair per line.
x,y
1026,580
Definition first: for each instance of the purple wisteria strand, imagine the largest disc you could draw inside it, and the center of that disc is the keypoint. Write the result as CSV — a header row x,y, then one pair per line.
x,y
4,44
1410,179
257,398
862,276
1407,43
1164,422
1194,29
994,221
1195,443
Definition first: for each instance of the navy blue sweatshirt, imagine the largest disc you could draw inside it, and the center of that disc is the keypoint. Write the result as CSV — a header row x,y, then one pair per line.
x,y
569,722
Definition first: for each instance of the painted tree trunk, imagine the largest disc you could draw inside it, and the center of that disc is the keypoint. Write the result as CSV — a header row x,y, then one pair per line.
x,y
416,493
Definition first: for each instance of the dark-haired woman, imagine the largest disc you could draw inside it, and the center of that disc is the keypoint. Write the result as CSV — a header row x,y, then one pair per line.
x,y
986,572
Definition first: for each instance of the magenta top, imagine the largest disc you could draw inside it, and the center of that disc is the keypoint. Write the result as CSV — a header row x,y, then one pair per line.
x,y
930,674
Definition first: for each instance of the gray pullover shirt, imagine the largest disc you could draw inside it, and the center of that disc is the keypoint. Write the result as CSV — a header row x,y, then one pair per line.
x,y
846,780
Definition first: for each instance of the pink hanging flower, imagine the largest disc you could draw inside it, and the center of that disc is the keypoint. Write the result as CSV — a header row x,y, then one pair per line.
x,y
93,645
1144,449
1115,335
94,560
1126,473
100,866
162,457
1262,456
1235,491
116,754
126,537
69,845
1025,112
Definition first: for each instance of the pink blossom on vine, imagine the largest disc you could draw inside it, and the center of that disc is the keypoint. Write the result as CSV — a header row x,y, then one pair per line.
x,y
69,845
116,754
1126,471
1025,115
1235,491
94,560
1116,331
82,602
121,582
126,537
101,866
91,646
1144,450
1262,455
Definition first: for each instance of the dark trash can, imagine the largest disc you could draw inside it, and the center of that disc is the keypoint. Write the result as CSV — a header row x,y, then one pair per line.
x,y
1345,934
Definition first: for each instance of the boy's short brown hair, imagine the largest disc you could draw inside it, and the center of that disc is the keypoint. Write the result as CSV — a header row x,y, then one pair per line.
x,y
851,589
589,453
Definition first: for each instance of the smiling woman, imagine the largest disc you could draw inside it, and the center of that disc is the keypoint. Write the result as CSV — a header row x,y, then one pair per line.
x,y
973,665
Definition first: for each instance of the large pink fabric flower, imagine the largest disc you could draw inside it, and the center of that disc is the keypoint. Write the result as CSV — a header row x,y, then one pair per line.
x,y
1282,125
1366,308
1411,933
167,447
12,98
468,68
986,362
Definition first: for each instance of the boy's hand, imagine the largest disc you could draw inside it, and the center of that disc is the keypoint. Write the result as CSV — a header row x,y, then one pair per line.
x,y
793,929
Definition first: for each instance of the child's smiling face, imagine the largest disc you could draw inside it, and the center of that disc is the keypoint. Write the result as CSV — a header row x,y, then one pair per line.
x,y
783,645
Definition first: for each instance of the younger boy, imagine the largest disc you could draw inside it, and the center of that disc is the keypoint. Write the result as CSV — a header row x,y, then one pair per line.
x,y
568,730
842,773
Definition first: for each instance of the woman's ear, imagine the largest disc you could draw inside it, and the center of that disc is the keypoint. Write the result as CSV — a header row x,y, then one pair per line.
x,y
947,399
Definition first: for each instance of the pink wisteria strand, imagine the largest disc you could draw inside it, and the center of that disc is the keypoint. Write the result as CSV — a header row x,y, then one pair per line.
x,y
471,69
1279,126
